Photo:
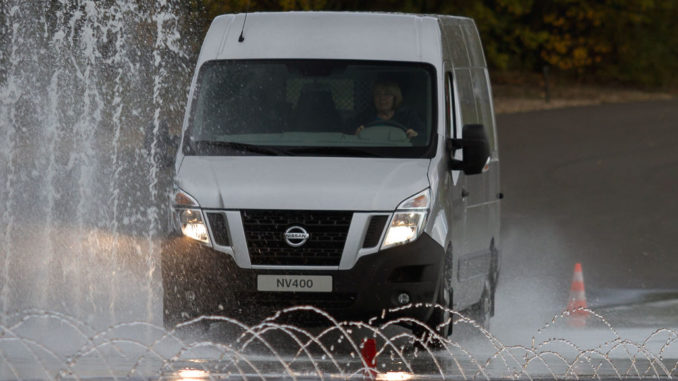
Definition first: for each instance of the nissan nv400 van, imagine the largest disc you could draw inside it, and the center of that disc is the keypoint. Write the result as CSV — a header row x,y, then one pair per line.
x,y
346,161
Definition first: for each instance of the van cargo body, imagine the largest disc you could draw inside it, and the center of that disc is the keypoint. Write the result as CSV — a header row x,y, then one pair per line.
x,y
347,161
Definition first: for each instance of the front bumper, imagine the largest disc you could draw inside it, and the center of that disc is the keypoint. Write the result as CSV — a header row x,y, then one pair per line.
x,y
201,281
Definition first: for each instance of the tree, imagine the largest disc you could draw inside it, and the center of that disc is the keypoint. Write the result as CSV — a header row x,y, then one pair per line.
x,y
628,41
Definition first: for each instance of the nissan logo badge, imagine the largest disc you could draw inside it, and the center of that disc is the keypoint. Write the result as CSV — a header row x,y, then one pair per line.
x,y
296,236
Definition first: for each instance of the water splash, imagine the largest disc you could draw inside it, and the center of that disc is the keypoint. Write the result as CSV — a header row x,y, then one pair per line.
x,y
31,345
83,90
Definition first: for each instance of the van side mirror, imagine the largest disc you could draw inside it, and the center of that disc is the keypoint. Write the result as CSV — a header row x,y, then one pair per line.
x,y
476,148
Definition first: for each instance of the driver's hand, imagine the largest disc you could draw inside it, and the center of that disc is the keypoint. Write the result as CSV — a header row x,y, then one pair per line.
x,y
357,131
410,133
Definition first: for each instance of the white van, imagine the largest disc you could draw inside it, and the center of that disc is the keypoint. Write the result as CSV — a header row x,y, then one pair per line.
x,y
343,160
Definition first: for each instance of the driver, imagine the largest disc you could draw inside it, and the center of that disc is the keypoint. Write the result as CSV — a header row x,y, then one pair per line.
x,y
387,107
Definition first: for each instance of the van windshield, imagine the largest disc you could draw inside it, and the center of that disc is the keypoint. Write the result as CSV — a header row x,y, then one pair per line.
x,y
313,108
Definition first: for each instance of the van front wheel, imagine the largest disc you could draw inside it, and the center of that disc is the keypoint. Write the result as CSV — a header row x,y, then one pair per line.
x,y
440,321
481,312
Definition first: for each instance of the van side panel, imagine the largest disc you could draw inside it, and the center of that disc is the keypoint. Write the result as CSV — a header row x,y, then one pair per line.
x,y
472,243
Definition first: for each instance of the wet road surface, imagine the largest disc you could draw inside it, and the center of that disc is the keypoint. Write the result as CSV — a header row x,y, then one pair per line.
x,y
595,185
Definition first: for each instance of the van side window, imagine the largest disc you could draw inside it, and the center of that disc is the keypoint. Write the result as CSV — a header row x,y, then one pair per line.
x,y
474,101
449,105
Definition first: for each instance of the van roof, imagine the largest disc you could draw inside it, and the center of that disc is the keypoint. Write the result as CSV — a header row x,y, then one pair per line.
x,y
327,35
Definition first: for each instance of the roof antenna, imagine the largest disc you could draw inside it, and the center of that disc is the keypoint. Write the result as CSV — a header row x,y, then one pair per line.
x,y
242,37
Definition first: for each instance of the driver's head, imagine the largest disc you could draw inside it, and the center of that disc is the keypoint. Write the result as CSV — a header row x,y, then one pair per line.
x,y
387,96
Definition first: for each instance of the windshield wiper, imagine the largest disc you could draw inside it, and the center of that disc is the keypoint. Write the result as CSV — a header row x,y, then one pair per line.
x,y
211,146
334,151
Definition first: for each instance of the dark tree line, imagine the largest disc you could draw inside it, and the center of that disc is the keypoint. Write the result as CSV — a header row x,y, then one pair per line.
x,y
613,41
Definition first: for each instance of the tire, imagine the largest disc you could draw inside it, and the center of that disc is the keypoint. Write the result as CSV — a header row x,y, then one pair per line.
x,y
440,321
482,311
494,272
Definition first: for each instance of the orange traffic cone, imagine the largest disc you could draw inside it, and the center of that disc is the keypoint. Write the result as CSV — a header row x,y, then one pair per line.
x,y
577,299
369,354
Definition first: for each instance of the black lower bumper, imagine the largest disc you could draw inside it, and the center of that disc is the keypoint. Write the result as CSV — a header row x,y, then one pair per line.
x,y
201,281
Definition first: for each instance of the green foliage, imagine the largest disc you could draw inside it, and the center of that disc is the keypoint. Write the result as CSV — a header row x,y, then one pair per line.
x,y
623,41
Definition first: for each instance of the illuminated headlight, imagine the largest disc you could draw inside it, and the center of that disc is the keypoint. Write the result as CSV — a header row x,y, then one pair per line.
x,y
192,225
407,223
188,217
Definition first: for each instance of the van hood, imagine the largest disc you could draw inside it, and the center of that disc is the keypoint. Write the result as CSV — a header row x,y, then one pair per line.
x,y
301,183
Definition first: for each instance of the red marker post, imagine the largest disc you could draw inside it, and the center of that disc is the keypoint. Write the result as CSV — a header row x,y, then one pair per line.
x,y
369,354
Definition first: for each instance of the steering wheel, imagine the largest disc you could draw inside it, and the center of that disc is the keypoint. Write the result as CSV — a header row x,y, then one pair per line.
x,y
389,122
385,130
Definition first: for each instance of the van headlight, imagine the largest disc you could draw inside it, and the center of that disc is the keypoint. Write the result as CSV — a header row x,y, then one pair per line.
x,y
407,223
188,216
192,225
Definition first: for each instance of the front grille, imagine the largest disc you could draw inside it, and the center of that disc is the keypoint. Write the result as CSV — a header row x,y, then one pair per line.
x,y
265,229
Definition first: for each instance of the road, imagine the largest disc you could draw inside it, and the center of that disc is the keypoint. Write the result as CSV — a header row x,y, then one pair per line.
x,y
595,185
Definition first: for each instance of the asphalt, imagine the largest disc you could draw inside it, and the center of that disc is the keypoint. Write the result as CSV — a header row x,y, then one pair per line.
x,y
595,185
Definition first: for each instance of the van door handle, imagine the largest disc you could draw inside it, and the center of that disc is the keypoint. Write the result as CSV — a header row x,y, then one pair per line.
x,y
464,193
